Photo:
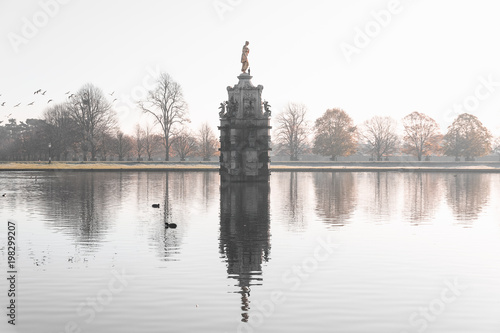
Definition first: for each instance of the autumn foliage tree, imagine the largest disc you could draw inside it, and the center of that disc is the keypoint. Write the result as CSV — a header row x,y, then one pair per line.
x,y
496,146
335,134
420,135
467,137
292,130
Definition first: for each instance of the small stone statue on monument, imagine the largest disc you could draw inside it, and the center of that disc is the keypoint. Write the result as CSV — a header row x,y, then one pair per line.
x,y
232,107
222,108
267,109
244,57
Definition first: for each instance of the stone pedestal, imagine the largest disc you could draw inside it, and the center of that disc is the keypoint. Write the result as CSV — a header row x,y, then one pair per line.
x,y
244,133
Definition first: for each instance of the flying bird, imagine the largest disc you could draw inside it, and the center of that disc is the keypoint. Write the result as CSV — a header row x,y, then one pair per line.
x,y
31,103
67,92
38,91
10,114
49,101
44,92
114,100
17,105
112,93
3,103
71,95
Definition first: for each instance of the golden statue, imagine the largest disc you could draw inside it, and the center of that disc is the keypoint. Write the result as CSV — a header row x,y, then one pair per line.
x,y
244,57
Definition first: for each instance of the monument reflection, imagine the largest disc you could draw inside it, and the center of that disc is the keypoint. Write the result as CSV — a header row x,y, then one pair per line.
x,y
244,235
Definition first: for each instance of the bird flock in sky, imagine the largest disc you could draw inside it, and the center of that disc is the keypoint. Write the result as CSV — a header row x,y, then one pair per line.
x,y
40,92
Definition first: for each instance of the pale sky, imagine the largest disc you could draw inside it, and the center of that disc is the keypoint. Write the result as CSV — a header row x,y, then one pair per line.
x,y
388,58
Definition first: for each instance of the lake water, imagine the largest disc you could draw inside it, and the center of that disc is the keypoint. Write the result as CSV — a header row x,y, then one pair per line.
x,y
310,252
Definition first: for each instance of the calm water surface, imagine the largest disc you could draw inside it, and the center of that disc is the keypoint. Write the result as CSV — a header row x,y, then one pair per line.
x,y
310,252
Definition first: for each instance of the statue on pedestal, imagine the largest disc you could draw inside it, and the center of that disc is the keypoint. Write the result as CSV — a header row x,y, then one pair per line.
x,y
244,57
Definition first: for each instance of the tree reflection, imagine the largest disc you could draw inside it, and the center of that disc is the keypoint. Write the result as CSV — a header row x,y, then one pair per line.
x,y
467,193
293,189
382,196
422,192
335,196
244,235
81,204
169,190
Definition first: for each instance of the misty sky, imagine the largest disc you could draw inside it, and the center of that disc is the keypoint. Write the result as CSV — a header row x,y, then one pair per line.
x,y
369,58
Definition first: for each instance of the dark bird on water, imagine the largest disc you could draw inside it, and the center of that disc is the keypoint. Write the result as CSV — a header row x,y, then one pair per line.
x,y
170,225
156,205
3,195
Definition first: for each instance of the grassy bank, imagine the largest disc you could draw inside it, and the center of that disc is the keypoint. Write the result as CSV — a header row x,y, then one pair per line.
x,y
275,167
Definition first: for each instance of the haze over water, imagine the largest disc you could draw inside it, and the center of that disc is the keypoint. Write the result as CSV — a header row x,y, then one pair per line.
x,y
319,252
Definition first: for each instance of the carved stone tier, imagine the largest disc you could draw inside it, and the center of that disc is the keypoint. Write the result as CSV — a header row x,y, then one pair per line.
x,y
244,133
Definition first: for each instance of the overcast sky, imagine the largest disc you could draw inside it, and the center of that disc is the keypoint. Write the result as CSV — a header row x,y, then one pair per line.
x,y
439,57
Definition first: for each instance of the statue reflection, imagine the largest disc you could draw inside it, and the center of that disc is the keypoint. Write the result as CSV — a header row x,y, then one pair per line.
x,y
336,194
467,194
244,235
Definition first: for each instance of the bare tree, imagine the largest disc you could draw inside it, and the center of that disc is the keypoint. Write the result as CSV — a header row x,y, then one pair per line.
x,y
335,134
292,130
380,136
93,116
60,130
152,141
467,137
207,142
107,146
419,132
166,104
139,142
184,144
123,145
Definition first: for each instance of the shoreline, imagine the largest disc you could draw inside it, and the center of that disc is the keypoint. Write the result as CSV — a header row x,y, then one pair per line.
x,y
489,167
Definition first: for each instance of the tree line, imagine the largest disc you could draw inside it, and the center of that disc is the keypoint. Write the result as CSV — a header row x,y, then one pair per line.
x,y
334,134
86,126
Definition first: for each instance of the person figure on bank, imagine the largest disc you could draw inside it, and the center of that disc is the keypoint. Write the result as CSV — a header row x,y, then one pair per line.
x,y
244,57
